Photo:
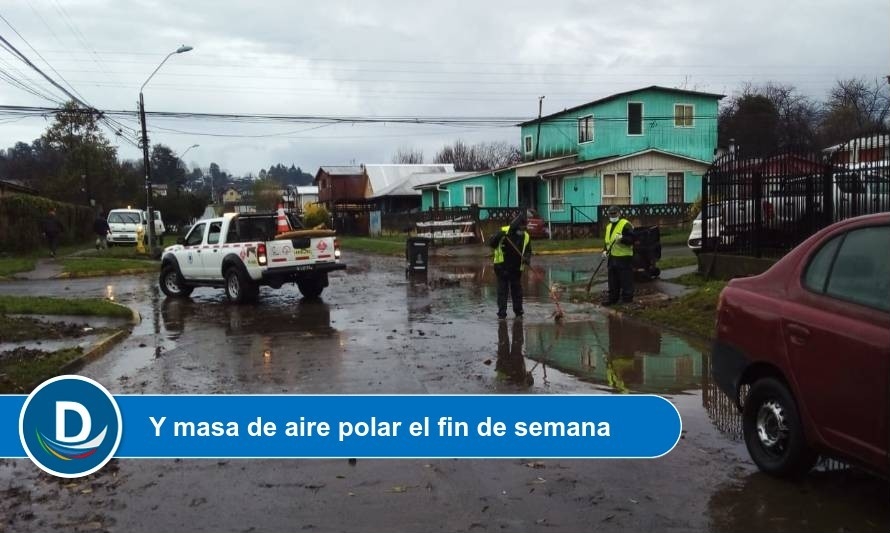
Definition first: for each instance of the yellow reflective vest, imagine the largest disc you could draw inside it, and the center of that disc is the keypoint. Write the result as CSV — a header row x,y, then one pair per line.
x,y
499,252
618,249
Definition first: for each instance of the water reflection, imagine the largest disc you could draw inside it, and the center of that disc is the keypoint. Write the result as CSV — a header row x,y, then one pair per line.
x,y
510,365
418,296
838,500
623,354
302,318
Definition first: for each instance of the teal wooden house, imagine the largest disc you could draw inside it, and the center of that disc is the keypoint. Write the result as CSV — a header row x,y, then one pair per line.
x,y
647,146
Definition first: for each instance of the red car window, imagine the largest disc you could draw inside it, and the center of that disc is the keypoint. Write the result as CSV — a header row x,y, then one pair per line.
x,y
861,272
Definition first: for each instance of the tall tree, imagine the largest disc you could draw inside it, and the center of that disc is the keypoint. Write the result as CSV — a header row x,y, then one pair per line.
x,y
769,118
88,157
266,194
855,107
166,167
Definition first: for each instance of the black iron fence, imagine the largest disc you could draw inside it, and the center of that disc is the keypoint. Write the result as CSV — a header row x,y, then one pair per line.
x,y
765,206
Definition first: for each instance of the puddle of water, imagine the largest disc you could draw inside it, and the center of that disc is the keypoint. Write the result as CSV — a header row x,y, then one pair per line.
x,y
621,353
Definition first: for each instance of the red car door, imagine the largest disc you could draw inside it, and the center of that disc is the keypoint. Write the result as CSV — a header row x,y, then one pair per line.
x,y
836,325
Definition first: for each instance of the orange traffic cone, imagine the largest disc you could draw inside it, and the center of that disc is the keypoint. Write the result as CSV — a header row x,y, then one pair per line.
x,y
283,226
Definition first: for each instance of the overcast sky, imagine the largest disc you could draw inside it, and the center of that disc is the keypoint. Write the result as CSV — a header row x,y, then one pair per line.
x,y
412,58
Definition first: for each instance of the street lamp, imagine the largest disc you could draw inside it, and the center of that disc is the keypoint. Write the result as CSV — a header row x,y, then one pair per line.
x,y
187,151
146,162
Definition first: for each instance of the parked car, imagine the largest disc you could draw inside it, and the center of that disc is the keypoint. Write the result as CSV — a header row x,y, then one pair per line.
x,y
804,350
695,241
537,226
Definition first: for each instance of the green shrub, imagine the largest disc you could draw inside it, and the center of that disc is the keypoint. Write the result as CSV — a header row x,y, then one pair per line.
x,y
22,216
314,215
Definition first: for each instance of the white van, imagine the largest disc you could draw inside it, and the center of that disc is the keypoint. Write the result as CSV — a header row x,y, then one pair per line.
x,y
124,223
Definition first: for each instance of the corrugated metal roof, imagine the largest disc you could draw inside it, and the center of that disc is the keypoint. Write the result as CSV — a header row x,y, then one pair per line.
x,y
410,186
343,170
873,141
383,177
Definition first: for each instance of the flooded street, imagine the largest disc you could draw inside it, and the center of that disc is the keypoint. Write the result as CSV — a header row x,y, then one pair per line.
x,y
376,332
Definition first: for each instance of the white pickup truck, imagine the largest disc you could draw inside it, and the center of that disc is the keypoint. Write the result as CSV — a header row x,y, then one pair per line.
x,y
241,252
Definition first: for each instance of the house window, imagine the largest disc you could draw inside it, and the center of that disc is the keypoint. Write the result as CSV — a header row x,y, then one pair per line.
x,y
634,118
683,114
616,188
556,194
473,195
585,129
528,144
675,187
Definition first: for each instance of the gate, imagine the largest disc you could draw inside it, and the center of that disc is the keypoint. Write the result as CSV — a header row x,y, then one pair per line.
x,y
765,206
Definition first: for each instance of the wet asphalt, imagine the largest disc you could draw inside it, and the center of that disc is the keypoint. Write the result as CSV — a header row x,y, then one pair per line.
x,y
377,332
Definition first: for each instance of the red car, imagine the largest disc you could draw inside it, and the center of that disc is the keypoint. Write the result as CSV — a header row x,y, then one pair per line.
x,y
811,338
537,226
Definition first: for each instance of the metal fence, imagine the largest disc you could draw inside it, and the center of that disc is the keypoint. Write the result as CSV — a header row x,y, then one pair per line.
x,y
765,206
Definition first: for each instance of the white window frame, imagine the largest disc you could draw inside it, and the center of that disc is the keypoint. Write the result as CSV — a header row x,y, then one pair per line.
x,y
481,194
592,129
630,187
556,184
528,144
642,120
691,117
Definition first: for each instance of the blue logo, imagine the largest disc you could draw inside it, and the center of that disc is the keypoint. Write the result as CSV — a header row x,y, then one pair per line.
x,y
70,426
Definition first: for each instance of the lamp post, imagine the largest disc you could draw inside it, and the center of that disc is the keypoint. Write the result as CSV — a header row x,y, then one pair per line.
x,y
145,159
187,151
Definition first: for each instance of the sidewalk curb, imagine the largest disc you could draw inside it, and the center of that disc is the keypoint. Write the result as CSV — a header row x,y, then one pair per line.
x,y
106,273
95,351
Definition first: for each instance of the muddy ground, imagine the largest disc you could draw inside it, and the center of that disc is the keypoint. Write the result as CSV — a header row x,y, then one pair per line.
x,y
376,332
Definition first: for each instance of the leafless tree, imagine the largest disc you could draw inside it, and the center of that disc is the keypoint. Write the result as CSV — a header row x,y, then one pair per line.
x,y
764,119
480,156
408,156
855,107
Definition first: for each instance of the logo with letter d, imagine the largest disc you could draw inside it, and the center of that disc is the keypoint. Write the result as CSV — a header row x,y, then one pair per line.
x,y
70,426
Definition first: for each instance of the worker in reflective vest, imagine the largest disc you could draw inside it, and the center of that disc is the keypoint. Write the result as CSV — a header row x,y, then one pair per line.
x,y
618,248
512,252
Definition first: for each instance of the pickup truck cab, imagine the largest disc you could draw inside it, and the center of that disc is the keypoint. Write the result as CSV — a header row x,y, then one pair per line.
x,y
241,252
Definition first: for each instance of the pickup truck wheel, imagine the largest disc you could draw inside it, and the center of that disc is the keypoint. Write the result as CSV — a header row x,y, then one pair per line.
x,y
310,288
172,284
239,287
773,431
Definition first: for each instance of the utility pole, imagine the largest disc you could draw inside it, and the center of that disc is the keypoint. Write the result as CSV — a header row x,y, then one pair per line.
x,y
146,162
538,140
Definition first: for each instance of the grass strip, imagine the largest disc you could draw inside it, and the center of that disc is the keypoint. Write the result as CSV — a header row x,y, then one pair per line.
x,y
43,305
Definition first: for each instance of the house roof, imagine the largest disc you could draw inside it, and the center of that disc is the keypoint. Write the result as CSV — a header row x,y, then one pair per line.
x,y
384,178
335,170
459,176
619,95
872,141
415,182
17,185
307,189
574,168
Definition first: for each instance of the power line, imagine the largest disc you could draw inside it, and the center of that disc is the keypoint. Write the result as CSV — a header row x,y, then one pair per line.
x,y
79,97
